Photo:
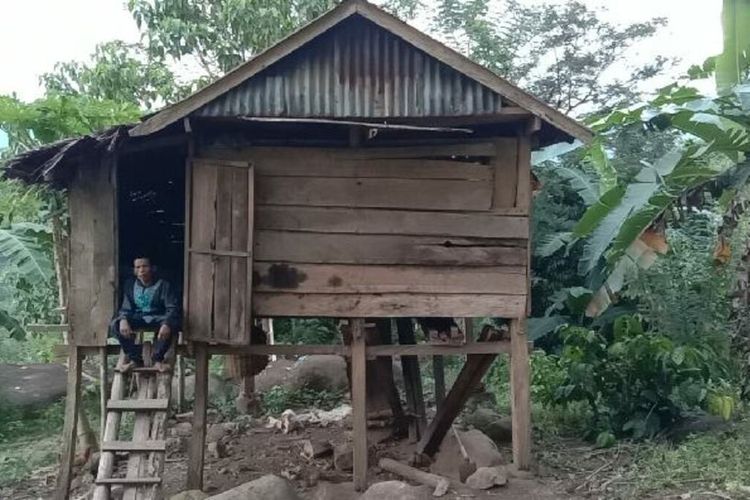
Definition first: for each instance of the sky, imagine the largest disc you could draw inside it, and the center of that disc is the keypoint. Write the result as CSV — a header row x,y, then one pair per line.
x,y
35,34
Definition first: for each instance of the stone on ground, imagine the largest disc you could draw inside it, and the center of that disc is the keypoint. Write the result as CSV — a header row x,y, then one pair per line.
x,y
343,457
325,372
487,477
277,373
190,495
33,385
480,448
396,490
333,491
268,487
496,426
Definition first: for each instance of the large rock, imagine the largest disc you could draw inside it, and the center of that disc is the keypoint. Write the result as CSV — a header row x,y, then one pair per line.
x,y
190,495
481,450
277,373
334,491
32,385
216,387
268,487
326,372
396,490
487,477
497,427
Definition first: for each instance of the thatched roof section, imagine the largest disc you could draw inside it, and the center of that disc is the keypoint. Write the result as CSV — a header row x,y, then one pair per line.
x,y
41,163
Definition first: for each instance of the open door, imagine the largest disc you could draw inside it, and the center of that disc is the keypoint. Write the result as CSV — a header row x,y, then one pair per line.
x,y
219,252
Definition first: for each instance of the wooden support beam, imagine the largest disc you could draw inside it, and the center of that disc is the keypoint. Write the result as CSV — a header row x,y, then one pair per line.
x,y
520,400
103,391
359,403
471,374
438,375
196,449
72,403
412,381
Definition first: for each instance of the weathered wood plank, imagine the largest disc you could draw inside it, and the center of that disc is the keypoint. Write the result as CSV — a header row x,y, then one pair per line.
x,y
381,221
72,402
200,297
359,403
363,169
523,187
239,284
196,447
506,174
387,305
134,446
279,246
91,301
222,266
422,194
137,404
347,279
258,154
146,384
520,399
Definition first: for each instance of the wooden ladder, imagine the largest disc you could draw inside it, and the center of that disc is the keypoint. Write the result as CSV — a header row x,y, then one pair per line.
x,y
147,449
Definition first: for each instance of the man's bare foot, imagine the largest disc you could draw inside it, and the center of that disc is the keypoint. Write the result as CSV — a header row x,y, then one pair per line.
x,y
162,367
126,366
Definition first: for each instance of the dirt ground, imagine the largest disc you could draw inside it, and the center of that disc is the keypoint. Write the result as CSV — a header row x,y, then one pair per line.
x,y
257,451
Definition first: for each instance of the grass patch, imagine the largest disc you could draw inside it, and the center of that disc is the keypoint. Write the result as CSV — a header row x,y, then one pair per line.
x,y
30,439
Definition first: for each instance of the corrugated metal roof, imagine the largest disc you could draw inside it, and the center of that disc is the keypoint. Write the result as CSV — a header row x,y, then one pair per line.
x,y
356,70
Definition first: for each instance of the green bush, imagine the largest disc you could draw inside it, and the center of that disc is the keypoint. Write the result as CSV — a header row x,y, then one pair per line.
x,y
280,398
636,383
306,331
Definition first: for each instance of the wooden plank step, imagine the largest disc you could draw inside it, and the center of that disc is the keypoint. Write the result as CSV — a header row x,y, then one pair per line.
x,y
134,446
138,404
129,480
146,369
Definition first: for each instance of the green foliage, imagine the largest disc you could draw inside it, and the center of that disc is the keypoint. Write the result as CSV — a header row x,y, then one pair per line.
x,y
636,383
56,117
559,51
218,35
280,398
117,72
306,331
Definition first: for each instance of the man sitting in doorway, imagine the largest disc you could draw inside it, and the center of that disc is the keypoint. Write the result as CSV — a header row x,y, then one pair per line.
x,y
148,302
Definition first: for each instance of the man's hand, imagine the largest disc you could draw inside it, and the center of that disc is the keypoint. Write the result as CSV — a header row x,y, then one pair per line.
x,y
164,332
125,329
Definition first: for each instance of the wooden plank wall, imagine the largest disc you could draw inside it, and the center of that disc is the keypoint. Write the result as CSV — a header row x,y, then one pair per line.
x,y
93,251
404,231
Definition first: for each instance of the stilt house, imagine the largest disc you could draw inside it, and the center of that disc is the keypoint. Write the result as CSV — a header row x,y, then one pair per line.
x,y
356,169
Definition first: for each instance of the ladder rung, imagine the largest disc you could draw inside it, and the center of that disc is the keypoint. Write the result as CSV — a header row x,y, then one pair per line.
x,y
134,446
138,404
129,480
146,369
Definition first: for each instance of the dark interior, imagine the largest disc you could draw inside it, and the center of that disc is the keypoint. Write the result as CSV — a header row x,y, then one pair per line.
x,y
151,211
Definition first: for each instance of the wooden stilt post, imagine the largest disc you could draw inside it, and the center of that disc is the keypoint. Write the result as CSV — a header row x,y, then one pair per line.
x,y
72,403
359,402
412,381
197,447
103,391
180,372
438,373
520,403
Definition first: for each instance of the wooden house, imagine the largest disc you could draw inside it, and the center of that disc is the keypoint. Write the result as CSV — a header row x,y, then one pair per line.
x,y
356,169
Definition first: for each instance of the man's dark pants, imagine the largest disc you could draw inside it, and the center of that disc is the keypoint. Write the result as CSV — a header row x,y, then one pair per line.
x,y
132,349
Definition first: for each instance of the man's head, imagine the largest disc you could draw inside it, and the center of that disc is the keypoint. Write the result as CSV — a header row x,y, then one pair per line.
x,y
143,270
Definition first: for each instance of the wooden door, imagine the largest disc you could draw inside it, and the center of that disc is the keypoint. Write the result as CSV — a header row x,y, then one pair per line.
x,y
219,261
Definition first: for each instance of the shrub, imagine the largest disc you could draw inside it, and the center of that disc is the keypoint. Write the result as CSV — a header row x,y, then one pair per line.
x,y
635,383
